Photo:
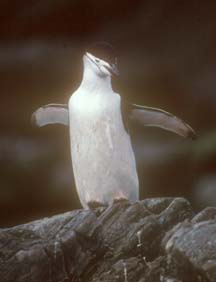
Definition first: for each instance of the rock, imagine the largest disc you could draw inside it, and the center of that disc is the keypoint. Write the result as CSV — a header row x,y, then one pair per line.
x,y
192,246
206,214
151,240
51,249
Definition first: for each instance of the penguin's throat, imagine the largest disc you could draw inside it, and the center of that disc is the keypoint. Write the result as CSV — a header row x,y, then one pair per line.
x,y
92,82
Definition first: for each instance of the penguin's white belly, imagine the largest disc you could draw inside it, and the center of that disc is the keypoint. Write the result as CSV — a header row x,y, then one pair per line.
x,y
102,156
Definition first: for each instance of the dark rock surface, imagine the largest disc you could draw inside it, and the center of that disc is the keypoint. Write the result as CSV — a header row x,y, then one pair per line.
x,y
151,240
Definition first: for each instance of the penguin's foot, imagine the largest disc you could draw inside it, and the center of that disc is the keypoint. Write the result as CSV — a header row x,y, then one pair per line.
x,y
95,204
120,200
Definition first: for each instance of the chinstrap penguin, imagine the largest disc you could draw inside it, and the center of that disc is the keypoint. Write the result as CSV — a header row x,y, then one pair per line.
x,y
102,156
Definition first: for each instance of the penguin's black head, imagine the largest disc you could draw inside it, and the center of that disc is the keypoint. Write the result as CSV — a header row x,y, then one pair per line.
x,y
103,55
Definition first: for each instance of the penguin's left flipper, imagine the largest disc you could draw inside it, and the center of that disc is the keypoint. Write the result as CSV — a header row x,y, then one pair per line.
x,y
149,116
51,114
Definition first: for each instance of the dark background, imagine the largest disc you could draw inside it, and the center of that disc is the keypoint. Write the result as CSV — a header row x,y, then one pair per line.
x,y
167,59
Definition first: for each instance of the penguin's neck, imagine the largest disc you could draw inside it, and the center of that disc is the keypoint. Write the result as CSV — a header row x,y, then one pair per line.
x,y
95,84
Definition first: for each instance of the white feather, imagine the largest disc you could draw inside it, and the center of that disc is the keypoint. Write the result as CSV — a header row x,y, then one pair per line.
x,y
102,156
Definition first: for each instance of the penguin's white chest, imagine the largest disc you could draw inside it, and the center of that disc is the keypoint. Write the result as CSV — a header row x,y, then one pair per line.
x,y
102,156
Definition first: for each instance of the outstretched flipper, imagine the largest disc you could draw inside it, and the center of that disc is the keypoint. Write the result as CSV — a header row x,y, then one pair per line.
x,y
51,114
149,116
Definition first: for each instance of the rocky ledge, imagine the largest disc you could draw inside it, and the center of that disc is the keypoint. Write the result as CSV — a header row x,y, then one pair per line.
x,y
151,240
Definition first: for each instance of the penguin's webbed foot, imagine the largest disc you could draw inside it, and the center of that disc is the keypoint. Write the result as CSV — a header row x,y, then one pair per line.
x,y
95,204
120,200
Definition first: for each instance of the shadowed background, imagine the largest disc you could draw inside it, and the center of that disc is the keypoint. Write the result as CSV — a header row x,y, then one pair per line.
x,y
167,59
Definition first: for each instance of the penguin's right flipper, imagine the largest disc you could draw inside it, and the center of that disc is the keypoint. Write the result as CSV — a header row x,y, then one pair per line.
x,y
51,114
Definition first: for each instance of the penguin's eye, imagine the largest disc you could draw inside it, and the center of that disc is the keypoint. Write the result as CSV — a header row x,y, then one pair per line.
x,y
97,60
